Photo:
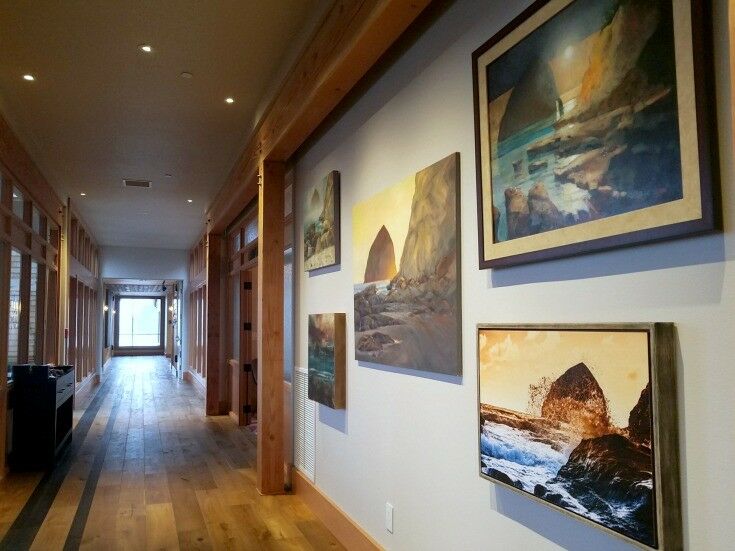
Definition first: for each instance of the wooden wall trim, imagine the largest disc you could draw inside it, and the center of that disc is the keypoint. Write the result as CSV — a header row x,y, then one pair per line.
x,y
213,323
197,382
16,160
350,40
346,530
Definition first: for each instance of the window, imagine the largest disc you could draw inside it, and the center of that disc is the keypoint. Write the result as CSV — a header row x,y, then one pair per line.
x,y
18,203
15,307
139,322
33,313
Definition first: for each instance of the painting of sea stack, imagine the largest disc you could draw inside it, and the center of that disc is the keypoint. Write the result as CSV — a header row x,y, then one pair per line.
x,y
579,127
406,272
321,223
327,359
566,415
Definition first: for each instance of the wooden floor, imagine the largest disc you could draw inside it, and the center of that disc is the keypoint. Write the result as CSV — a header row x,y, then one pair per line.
x,y
147,470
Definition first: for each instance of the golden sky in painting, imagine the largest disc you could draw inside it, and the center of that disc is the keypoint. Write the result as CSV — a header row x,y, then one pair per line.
x,y
390,208
511,360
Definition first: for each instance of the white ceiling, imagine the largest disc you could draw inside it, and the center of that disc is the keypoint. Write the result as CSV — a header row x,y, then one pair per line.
x,y
101,110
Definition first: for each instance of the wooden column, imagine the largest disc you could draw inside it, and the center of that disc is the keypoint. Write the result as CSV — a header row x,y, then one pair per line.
x,y
214,360
270,336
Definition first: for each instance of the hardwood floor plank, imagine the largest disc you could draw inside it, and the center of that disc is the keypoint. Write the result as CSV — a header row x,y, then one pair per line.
x,y
157,474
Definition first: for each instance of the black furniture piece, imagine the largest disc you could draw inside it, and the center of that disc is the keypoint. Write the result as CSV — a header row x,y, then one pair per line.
x,y
43,411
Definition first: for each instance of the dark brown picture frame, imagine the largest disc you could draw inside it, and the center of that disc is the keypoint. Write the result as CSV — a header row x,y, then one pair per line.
x,y
707,154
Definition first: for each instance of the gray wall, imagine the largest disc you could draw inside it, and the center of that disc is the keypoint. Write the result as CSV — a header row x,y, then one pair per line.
x,y
411,439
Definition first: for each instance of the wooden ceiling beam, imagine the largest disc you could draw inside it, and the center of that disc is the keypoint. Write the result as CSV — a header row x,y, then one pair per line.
x,y
351,39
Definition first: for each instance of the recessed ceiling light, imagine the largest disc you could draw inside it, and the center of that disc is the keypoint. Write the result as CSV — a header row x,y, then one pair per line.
x,y
229,100
15,195
83,194
186,74
190,200
145,48
29,78
167,175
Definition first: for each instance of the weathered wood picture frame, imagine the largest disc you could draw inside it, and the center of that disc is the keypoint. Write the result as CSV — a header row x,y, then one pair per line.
x,y
568,446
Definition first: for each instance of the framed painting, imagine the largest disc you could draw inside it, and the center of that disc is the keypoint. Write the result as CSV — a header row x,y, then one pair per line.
x,y
583,418
327,359
405,257
321,223
594,129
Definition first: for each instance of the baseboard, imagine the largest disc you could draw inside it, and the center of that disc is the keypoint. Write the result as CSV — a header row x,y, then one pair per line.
x,y
83,391
346,530
196,380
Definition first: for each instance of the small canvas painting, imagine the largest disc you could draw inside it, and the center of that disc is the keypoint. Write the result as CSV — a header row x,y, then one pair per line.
x,y
321,223
406,272
327,357
566,415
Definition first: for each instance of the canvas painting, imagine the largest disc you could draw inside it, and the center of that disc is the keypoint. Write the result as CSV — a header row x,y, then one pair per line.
x,y
327,358
321,224
587,130
567,415
406,272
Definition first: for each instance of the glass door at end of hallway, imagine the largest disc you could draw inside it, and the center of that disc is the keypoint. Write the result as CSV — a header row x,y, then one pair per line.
x,y
140,323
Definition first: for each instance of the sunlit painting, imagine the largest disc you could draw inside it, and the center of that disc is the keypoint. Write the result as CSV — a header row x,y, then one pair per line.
x,y
566,416
321,223
406,272
580,123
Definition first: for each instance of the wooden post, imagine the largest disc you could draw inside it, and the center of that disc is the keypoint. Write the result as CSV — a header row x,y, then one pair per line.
x,y
213,321
270,478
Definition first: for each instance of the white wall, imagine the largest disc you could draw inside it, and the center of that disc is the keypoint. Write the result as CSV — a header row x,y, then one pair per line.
x,y
411,439
143,263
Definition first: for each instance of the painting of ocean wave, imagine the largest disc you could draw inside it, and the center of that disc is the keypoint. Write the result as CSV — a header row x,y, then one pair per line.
x,y
566,417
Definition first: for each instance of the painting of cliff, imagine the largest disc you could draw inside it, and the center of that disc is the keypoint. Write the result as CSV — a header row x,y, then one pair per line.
x,y
321,223
566,416
580,127
327,359
406,272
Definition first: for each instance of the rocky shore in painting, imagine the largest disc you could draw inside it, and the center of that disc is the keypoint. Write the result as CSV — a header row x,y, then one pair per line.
x,y
571,455
408,316
320,234
608,147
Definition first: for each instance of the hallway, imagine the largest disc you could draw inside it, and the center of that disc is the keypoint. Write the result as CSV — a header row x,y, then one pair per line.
x,y
147,470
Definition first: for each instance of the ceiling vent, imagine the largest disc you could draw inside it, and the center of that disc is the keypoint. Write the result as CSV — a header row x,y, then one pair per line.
x,y
137,183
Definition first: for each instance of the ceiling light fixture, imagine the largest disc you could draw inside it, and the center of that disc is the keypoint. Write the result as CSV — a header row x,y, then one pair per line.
x,y
190,200
83,194
145,48
15,195
229,100
29,78
186,74
167,175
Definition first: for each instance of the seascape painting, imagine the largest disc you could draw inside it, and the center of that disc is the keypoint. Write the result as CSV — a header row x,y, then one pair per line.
x,y
321,223
327,358
406,272
579,126
566,415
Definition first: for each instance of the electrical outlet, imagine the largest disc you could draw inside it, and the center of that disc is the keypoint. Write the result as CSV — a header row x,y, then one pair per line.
x,y
389,517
